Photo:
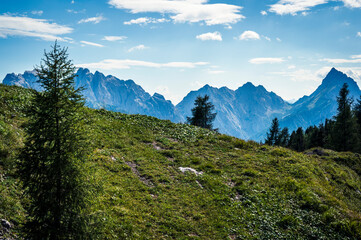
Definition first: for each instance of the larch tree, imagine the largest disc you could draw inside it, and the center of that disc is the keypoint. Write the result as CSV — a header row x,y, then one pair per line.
x,y
50,165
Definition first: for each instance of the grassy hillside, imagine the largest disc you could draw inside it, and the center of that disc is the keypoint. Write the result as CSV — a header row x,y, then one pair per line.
x,y
245,191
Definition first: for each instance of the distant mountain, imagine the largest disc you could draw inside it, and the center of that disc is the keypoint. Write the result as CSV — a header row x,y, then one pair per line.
x,y
321,104
242,113
110,93
245,113
26,80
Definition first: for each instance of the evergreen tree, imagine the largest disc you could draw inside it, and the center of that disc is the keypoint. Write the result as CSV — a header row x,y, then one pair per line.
x,y
344,135
291,142
311,137
329,124
297,140
273,134
284,137
51,161
202,113
357,113
321,136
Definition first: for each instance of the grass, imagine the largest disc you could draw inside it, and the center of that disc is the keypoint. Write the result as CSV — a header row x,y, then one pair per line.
x,y
246,191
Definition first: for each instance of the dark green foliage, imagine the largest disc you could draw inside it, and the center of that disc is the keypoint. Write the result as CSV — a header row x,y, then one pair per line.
x,y
341,134
276,136
313,137
273,134
284,137
344,135
297,140
202,113
357,113
51,162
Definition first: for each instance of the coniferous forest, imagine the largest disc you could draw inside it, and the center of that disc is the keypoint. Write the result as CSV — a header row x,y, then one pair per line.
x,y
341,133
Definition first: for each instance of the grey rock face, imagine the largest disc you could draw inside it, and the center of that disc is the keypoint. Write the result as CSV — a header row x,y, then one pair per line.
x,y
110,93
242,113
245,113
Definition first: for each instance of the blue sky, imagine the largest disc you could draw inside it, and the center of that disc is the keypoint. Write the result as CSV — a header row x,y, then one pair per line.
x,y
174,46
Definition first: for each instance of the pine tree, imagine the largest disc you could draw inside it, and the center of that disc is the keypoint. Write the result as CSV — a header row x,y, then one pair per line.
x,y
344,135
51,161
273,134
202,113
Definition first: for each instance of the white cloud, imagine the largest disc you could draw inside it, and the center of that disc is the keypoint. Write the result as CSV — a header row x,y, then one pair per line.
x,y
72,1
31,27
278,40
264,13
302,75
292,7
341,60
359,34
284,7
94,20
185,10
352,3
266,60
215,36
40,12
356,56
353,72
75,12
291,67
249,35
91,44
114,38
110,64
139,47
145,21
267,38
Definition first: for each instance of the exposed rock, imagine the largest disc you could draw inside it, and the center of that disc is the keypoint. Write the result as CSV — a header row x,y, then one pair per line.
x,y
188,169
142,178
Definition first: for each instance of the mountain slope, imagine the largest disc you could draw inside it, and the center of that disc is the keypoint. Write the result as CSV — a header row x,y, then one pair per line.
x,y
110,93
246,112
321,104
242,113
242,190
27,80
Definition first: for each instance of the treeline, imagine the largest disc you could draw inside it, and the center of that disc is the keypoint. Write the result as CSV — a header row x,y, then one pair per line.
x,y
341,133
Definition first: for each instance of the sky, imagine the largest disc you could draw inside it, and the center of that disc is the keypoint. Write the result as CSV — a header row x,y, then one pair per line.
x,y
174,46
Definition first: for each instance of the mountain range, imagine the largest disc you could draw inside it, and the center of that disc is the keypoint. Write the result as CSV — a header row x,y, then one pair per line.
x,y
245,113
